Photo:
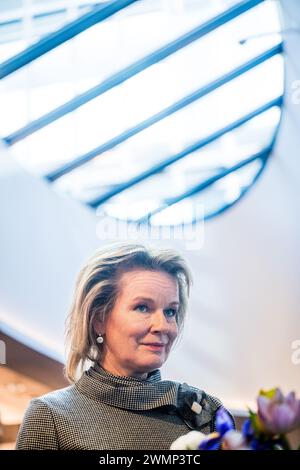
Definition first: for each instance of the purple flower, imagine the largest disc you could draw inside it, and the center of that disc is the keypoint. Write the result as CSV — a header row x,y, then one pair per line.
x,y
247,430
224,424
278,414
211,443
223,421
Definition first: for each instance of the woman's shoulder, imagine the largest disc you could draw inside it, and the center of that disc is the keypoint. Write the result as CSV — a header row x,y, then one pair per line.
x,y
38,430
51,401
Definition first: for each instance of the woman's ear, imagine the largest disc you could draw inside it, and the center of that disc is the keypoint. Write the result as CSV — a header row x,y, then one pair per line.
x,y
98,324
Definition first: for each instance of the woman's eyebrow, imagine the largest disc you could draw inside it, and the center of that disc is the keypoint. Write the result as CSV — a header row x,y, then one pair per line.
x,y
148,299
144,299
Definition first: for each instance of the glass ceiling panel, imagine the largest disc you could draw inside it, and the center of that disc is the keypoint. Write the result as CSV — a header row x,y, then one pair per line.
x,y
224,192
107,47
23,22
96,178
56,144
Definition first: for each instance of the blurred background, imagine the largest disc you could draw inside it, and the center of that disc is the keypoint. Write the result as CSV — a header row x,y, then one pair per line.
x,y
170,122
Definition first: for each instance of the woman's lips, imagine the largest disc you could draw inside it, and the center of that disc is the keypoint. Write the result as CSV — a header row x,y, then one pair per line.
x,y
154,346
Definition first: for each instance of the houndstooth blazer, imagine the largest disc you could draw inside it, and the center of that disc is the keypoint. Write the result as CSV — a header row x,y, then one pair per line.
x,y
102,411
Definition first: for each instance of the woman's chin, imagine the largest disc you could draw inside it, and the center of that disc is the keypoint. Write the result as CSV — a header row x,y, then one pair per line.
x,y
149,366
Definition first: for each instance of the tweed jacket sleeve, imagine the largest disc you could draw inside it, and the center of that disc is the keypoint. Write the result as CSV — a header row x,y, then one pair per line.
x,y
37,430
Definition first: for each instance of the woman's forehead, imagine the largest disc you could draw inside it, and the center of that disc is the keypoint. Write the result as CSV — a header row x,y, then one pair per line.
x,y
144,283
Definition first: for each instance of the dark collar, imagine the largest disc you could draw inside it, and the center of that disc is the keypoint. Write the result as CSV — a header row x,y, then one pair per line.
x,y
128,392
135,394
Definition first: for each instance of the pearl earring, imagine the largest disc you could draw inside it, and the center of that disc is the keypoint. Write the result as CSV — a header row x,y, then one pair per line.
x,y
100,339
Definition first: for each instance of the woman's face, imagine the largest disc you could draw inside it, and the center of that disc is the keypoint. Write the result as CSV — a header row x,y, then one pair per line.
x,y
141,328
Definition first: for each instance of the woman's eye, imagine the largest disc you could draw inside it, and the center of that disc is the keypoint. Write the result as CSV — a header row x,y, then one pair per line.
x,y
171,312
142,308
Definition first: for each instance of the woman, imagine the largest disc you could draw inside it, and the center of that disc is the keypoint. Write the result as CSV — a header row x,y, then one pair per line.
x,y
129,307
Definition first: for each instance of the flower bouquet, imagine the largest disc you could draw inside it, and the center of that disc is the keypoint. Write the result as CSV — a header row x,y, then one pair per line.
x,y
265,429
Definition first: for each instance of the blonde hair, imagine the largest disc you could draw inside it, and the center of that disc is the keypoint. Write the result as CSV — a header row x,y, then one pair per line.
x,y
97,289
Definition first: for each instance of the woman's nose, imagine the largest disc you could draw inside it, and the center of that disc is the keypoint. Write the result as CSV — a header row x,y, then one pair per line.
x,y
160,322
